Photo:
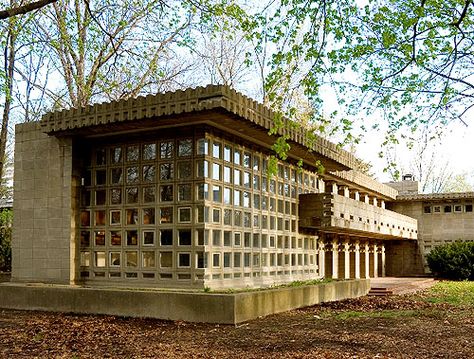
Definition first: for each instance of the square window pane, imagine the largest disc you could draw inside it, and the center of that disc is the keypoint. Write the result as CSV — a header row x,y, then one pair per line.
x,y
132,238
85,238
85,218
149,151
148,216
115,238
185,148
166,171
116,155
99,259
132,195
185,170
166,215
149,194
115,259
132,216
166,237
116,176
184,237
115,196
166,193
100,157
166,259
202,147
166,149
100,177
216,171
99,237
148,173
184,259
216,150
184,215
131,259
184,192
227,217
148,259
227,153
100,197
148,238
85,259
100,218
132,153
217,193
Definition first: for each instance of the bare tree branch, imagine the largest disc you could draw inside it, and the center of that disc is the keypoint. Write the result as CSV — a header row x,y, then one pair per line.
x,y
23,9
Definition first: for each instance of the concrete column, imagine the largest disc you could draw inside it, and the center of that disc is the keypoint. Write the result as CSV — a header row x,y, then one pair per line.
x,y
376,261
356,195
321,186
374,201
347,260
357,260
322,258
383,260
367,260
335,259
382,204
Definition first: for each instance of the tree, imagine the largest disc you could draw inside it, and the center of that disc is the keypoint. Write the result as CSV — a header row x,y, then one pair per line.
x,y
21,9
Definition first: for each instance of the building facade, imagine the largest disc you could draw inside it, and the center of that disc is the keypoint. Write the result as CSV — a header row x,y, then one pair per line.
x,y
175,190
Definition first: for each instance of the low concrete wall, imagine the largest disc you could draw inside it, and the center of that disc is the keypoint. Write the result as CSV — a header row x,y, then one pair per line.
x,y
222,308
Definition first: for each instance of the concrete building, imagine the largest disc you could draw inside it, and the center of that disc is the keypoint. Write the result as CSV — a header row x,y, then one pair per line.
x,y
174,190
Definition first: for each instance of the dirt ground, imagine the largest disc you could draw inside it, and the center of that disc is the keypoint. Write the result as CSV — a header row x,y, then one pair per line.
x,y
368,327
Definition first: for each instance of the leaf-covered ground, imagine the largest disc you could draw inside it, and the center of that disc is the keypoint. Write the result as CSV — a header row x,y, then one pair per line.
x,y
416,326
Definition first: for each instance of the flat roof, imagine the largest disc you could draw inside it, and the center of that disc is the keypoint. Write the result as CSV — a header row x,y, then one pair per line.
x,y
254,119
436,196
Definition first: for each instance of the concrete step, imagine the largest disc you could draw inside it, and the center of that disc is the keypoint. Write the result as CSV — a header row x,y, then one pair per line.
x,y
380,292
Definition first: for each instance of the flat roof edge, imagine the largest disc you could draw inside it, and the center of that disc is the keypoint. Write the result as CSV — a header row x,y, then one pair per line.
x,y
197,99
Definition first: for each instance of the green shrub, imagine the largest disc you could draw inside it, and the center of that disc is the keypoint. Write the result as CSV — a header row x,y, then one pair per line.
x,y
6,217
453,261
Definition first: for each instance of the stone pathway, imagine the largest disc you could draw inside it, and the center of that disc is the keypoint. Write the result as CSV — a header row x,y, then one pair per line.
x,y
402,285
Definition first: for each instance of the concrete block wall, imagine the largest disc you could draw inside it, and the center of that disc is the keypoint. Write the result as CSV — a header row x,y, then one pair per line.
x,y
43,222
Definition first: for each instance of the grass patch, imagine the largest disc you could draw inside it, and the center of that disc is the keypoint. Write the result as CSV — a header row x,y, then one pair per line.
x,y
455,293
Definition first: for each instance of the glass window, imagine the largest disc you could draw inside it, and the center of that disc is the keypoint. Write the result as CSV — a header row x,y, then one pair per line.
x,y
132,174
216,215
99,259
237,175
227,239
247,219
115,238
100,157
85,259
149,151
166,171
133,153
184,215
237,218
237,260
246,160
216,171
132,238
202,169
227,217
184,259
115,196
184,237
148,173
85,218
149,194
227,153
185,170
227,195
85,238
227,259
132,195
216,237
166,259
115,259
116,155
99,238
216,257
100,218
148,238
166,149
100,197
237,157
247,180
185,148
227,174
132,216
201,260
166,215
166,193
184,192
100,177
236,197
202,147
216,150
237,239
246,199
202,191
148,259
166,237
217,193
148,216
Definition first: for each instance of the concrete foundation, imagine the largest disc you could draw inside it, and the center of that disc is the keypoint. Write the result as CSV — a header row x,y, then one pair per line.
x,y
225,308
